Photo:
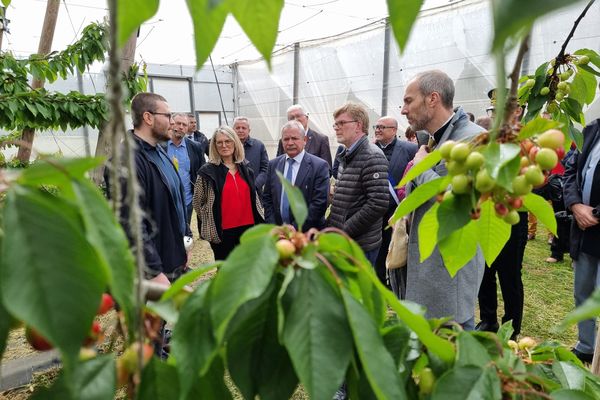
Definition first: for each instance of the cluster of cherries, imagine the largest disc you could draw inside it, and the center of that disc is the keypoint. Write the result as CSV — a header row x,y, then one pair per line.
x,y
465,164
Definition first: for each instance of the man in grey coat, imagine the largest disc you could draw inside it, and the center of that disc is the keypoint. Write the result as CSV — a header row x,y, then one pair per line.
x,y
428,106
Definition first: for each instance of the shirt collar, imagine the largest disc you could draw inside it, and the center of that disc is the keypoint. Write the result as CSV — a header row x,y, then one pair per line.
x,y
298,158
383,146
182,144
437,135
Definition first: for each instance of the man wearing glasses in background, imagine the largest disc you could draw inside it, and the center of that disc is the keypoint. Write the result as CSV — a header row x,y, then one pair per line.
x,y
398,154
316,143
361,195
162,198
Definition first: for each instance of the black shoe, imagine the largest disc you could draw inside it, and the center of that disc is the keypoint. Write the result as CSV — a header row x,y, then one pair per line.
x,y
584,357
487,326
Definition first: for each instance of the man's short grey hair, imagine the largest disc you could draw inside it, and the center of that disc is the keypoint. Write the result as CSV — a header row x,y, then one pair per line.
x,y
436,81
180,114
293,125
241,119
294,108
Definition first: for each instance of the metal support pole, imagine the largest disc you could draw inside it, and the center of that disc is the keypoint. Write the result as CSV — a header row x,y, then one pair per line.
x,y
86,132
192,97
386,68
296,72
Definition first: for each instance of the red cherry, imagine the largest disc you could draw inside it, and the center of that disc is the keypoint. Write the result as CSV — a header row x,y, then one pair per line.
x,y
36,340
94,335
501,209
106,304
560,152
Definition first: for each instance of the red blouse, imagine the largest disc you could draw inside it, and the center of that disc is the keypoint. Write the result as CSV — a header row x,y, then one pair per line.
x,y
236,203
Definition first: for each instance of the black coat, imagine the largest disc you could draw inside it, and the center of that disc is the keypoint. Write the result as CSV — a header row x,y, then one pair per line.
x,y
587,241
163,241
403,153
361,195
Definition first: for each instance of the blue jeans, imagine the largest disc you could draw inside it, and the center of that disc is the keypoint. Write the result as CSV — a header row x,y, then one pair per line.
x,y
587,279
372,255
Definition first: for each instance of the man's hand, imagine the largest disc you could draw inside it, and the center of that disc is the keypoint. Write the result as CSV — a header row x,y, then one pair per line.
x,y
583,216
161,279
421,154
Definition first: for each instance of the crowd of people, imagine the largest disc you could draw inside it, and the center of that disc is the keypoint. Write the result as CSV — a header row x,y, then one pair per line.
x,y
232,185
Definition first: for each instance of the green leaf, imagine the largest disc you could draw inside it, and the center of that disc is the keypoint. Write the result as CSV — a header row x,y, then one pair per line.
x,y
378,364
570,394
574,109
515,16
470,352
257,362
296,200
507,173
583,87
131,14
317,335
46,263
589,309
537,126
453,214
569,375
159,381
588,69
260,20
186,279
230,289
58,171
594,57
542,210
431,160
402,16
493,232
208,20
105,234
5,319
212,385
6,3
420,195
193,345
459,248
468,383
498,155
428,228
95,379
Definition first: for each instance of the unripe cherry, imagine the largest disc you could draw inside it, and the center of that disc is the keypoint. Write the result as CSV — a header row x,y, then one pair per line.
x,y
552,108
562,85
559,95
583,60
484,182
446,147
544,91
455,167
460,152
475,160
546,158
285,248
521,186
512,217
524,162
534,175
552,139
461,184
530,82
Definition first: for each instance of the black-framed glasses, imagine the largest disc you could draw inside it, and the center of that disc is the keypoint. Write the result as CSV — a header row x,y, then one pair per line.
x,y
339,124
168,115
382,127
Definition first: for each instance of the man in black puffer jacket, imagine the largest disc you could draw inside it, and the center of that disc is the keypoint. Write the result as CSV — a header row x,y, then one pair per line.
x,y
361,191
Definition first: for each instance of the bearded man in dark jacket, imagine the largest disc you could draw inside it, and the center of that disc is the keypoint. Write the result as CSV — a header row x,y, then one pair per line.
x,y
361,192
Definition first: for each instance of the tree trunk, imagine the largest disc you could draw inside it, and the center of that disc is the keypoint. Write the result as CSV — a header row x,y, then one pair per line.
x,y
103,146
44,48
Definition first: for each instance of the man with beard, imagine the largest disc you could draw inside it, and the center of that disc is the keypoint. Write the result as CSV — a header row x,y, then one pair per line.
x,y
428,106
161,192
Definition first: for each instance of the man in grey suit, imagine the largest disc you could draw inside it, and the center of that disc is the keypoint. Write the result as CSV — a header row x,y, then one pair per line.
x,y
316,143
428,106
307,172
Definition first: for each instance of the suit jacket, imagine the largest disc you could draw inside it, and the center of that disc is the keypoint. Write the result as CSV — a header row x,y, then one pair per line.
x,y
257,157
428,282
588,240
403,153
313,182
316,144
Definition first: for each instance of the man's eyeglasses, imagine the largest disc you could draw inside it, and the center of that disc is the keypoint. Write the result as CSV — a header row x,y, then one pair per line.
x,y
382,127
339,124
168,115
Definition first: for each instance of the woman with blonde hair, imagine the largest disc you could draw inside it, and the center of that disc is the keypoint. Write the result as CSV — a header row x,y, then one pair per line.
x,y
225,196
